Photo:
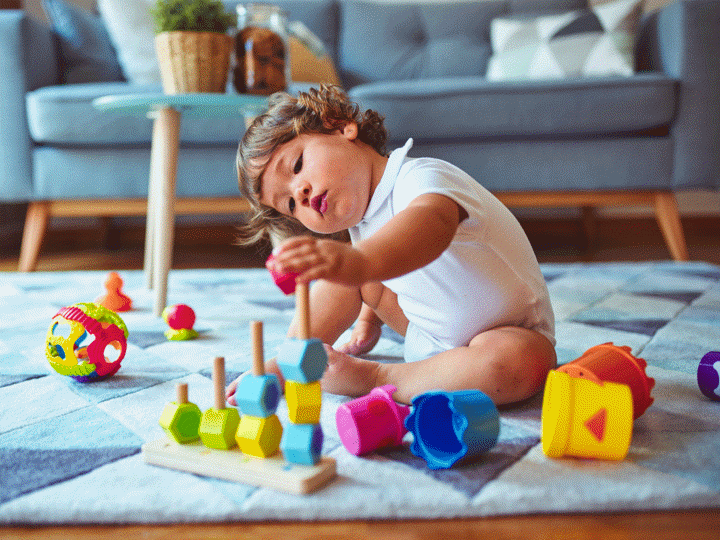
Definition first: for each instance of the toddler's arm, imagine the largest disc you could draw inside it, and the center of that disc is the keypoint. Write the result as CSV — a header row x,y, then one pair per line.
x,y
412,239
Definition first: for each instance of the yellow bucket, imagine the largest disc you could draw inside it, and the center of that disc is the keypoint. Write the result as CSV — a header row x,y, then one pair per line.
x,y
584,419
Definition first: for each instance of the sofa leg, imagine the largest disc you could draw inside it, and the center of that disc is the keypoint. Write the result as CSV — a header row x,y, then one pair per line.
x,y
589,225
36,223
668,217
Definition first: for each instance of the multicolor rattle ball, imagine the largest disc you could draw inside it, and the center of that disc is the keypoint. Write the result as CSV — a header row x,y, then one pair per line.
x,y
86,341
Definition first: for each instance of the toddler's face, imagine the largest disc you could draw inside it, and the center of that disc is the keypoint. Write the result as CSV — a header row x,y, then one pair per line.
x,y
324,181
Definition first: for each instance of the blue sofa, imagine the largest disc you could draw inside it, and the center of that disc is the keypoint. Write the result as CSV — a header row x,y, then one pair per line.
x,y
573,142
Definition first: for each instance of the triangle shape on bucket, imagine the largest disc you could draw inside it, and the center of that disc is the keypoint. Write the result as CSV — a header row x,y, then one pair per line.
x,y
596,424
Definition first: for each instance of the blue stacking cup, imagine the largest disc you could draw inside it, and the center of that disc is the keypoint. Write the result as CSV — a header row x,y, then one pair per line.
x,y
450,426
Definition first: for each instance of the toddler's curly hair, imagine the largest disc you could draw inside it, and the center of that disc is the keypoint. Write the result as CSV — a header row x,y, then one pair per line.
x,y
322,110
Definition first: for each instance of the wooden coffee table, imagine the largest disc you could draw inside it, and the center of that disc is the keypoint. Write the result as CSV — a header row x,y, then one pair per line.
x,y
166,112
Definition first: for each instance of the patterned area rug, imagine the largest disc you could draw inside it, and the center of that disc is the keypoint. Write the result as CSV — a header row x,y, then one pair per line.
x,y
70,452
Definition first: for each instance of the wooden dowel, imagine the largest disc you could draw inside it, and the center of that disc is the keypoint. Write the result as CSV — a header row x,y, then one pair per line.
x,y
219,382
182,393
302,309
258,366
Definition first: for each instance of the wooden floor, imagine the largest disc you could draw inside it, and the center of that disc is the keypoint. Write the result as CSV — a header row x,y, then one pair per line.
x,y
553,241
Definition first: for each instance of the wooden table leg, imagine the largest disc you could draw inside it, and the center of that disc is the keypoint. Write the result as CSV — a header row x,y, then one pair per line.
x,y
156,171
166,143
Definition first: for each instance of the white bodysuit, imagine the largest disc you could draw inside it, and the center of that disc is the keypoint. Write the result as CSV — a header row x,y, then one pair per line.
x,y
487,277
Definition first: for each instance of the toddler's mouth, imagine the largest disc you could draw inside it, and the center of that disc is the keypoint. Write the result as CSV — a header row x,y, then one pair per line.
x,y
319,203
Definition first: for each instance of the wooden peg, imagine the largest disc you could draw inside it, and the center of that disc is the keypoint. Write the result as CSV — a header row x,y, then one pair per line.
x,y
258,366
219,382
182,393
302,309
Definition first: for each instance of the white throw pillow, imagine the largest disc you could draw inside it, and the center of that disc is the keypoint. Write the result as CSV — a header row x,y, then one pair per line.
x,y
132,33
598,41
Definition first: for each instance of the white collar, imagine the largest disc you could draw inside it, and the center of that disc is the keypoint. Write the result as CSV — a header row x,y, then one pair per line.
x,y
387,182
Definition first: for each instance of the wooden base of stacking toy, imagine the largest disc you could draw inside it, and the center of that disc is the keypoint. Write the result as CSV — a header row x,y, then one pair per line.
x,y
273,472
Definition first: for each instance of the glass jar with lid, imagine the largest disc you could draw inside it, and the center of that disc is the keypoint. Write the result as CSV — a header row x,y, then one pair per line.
x,y
262,52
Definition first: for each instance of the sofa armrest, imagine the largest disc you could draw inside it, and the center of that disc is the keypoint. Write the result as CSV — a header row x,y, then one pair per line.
x,y
687,48
28,60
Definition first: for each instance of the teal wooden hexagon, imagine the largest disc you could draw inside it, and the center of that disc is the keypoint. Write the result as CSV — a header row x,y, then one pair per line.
x,y
258,395
302,360
302,443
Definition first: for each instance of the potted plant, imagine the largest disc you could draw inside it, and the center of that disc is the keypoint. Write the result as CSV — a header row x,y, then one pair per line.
x,y
192,44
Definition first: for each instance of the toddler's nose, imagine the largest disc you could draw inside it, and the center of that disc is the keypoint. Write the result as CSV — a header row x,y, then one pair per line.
x,y
303,195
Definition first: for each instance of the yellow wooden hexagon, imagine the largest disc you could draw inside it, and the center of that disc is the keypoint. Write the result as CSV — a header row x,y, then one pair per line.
x,y
259,437
303,401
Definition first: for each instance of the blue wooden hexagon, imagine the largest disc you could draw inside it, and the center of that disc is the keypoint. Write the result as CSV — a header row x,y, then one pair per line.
x,y
302,443
258,396
302,360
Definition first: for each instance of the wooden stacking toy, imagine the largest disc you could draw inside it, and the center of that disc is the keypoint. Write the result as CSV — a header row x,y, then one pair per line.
x,y
181,419
257,395
258,434
219,424
303,362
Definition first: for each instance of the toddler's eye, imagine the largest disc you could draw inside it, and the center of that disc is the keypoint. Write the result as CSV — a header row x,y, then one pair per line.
x,y
298,164
291,205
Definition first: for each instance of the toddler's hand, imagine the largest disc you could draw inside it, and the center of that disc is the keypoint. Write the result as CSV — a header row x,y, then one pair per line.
x,y
313,258
363,339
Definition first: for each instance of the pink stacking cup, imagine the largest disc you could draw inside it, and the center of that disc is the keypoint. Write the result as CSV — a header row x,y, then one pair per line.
x,y
371,422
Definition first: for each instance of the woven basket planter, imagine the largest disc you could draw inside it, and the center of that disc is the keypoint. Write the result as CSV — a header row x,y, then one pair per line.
x,y
193,61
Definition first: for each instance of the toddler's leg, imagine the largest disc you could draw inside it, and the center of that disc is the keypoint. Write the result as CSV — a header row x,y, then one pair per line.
x,y
509,364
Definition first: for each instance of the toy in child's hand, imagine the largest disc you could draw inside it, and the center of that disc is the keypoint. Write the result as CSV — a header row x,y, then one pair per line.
x,y
371,422
86,342
452,426
708,375
286,281
181,419
610,363
180,318
114,299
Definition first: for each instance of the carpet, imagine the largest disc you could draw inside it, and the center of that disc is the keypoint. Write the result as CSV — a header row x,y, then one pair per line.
x,y
70,451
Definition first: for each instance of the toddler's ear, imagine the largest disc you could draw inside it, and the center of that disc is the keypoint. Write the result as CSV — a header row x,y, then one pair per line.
x,y
350,130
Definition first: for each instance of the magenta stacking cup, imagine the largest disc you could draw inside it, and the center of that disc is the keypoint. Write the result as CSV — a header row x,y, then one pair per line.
x,y
371,422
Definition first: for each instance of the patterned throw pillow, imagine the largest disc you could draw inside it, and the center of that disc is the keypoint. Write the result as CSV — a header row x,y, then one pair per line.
x,y
598,41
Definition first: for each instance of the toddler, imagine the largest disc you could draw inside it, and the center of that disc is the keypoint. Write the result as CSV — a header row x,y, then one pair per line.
x,y
433,254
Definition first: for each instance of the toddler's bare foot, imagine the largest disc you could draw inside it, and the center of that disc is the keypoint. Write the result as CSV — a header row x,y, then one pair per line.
x,y
347,375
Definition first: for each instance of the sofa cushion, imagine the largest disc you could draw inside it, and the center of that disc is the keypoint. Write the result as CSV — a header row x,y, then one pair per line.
x,y
453,108
381,41
598,41
86,53
65,115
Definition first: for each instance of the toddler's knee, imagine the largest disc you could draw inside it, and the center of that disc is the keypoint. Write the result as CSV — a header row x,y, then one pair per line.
x,y
521,361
